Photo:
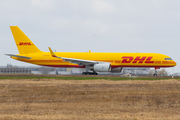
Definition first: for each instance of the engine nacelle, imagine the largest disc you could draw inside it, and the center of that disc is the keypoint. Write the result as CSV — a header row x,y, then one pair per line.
x,y
116,70
101,67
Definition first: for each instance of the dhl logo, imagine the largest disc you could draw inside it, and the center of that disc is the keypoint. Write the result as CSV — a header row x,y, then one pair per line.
x,y
130,59
25,43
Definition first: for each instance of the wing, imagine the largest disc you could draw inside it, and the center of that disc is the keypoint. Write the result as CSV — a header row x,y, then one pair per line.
x,y
75,61
11,55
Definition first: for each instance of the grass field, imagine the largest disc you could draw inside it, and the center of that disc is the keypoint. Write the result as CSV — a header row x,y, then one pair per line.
x,y
75,97
82,77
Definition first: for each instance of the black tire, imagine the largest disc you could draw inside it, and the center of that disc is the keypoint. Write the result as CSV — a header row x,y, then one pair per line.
x,y
155,74
94,73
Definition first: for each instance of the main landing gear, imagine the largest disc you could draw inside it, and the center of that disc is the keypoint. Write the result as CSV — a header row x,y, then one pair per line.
x,y
89,73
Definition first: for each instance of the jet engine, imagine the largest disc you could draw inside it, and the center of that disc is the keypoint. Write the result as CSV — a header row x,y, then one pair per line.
x,y
116,70
101,67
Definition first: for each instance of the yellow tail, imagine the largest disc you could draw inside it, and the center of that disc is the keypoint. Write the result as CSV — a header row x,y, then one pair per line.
x,y
24,44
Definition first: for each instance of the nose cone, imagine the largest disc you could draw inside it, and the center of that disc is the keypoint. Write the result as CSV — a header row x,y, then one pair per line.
x,y
169,63
174,63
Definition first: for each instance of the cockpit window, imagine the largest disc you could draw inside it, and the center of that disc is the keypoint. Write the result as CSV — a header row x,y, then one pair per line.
x,y
168,59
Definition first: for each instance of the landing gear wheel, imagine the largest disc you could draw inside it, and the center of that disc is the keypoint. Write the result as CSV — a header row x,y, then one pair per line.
x,y
89,73
155,74
84,73
95,73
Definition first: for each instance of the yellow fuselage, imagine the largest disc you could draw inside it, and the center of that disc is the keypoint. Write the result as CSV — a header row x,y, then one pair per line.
x,y
28,52
116,59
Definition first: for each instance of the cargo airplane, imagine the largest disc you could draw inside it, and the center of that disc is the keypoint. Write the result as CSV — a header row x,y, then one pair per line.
x,y
93,62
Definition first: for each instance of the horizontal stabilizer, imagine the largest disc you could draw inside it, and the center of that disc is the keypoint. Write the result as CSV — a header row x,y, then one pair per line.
x,y
11,55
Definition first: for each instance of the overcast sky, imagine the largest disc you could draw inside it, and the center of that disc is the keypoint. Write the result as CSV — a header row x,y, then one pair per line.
x,y
151,26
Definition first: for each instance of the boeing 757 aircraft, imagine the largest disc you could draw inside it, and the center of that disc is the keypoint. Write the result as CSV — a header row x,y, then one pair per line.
x,y
93,62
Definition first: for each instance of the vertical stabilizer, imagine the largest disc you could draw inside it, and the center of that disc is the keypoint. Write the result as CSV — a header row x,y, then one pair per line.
x,y
24,44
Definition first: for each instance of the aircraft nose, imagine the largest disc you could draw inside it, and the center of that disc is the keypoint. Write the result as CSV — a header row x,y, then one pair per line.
x,y
174,63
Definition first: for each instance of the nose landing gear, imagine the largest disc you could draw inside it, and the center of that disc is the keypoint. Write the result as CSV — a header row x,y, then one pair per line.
x,y
155,74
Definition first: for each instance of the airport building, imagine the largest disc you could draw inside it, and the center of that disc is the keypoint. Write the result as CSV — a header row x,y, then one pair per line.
x,y
9,69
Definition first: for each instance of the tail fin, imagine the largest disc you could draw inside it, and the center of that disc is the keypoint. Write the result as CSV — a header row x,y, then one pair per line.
x,y
24,44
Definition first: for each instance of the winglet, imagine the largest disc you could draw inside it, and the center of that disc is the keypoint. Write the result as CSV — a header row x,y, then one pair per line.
x,y
52,53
